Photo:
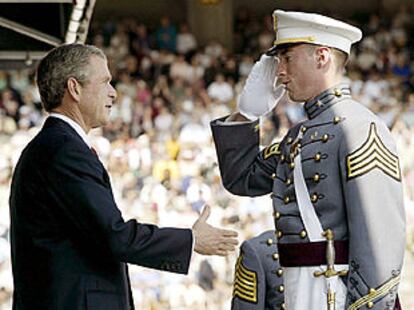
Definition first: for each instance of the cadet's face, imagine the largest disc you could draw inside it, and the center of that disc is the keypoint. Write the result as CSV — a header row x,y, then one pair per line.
x,y
98,95
297,71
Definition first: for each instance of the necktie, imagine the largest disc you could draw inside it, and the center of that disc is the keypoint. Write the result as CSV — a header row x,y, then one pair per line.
x,y
94,151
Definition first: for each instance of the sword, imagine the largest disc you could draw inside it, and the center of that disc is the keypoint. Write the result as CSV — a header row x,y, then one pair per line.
x,y
330,270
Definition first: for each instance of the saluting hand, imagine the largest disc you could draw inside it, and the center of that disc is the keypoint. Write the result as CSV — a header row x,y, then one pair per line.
x,y
260,94
210,240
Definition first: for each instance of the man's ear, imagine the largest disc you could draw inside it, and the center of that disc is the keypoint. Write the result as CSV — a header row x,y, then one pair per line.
x,y
74,89
323,56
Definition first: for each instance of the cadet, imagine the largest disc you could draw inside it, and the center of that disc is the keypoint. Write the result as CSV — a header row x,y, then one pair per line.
x,y
335,178
258,279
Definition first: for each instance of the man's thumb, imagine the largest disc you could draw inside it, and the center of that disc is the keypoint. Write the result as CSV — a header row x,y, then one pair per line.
x,y
205,213
278,92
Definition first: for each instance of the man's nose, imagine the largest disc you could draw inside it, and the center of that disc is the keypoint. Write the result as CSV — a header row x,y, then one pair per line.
x,y
112,93
281,70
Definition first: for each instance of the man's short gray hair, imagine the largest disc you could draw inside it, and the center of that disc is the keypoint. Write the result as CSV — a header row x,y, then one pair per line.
x,y
60,64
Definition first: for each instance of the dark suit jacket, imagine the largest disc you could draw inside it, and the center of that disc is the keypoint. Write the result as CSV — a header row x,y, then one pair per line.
x,y
70,244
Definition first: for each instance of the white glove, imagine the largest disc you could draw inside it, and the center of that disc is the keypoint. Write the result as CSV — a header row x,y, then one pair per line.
x,y
260,94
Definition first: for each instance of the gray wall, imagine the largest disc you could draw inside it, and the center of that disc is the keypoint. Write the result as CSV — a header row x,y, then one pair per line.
x,y
211,22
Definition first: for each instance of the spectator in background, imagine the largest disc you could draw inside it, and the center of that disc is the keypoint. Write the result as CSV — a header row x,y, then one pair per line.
x,y
140,42
402,68
180,68
220,89
186,41
166,35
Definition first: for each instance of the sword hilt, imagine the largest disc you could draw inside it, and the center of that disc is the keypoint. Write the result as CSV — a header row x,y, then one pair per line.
x,y
330,258
328,273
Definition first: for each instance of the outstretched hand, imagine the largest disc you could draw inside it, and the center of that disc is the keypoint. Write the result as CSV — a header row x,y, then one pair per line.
x,y
210,240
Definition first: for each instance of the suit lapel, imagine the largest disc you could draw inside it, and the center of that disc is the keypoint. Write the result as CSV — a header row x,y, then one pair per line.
x,y
58,124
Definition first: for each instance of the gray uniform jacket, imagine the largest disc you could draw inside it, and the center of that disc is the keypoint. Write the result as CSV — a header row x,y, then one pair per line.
x,y
258,279
352,173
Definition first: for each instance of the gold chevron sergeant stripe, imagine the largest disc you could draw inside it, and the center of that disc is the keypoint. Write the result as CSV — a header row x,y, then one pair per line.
x,y
243,296
247,287
271,150
240,292
242,280
381,291
245,282
374,148
373,154
371,166
373,136
244,273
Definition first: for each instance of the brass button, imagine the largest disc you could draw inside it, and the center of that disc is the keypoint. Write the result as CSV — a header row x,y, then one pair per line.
x,y
337,92
279,234
316,178
317,157
275,256
336,120
303,234
281,289
288,181
292,165
318,103
269,241
282,306
279,272
372,290
282,158
303,129
277,215
289,140
325,138
370,305
273,176
286,200
314,198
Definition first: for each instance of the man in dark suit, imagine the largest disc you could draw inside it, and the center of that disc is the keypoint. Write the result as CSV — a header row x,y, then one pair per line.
x,y
70,244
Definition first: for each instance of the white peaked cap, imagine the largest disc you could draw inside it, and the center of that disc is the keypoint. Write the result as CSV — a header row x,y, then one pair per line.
x,y
298,27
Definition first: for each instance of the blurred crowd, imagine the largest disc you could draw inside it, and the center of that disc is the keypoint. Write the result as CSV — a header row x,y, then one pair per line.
x,y
158,147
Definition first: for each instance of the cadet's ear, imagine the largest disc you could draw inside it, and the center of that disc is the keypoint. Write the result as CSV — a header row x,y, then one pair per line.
x,y
74,89
323,56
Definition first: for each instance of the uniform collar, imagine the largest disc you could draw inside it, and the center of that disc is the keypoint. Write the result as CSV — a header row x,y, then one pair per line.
x,y
74,125
326,99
